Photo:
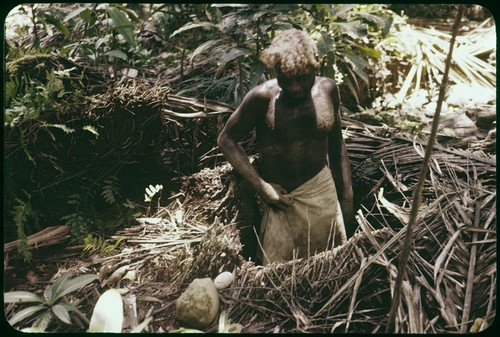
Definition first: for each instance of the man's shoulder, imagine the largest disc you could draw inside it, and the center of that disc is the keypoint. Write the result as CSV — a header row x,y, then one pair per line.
x,y
265,91
326,83
269,87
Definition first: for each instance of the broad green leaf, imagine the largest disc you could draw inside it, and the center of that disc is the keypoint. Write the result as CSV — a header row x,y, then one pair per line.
x,y
86,15
25,313
359,64
61,312
21,297
76,283
384,23
123,25
354,29
47,294
55,288
131,14
325,44
43,320
376,19
57,23
192,25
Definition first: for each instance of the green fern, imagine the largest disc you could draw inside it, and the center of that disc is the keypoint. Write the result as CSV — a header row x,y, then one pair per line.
x,y
99,244
20,216
110,190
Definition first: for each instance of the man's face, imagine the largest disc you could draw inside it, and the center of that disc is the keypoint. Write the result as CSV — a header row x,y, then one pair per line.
x,y
296,87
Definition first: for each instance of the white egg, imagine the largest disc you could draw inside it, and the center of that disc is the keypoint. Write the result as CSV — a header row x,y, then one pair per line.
x,y
223,280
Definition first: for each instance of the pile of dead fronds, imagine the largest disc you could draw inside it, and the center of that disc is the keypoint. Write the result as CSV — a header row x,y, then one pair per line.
x,y
450,283
73,139
451,276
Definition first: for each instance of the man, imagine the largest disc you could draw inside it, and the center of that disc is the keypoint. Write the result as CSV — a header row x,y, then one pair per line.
x,y
298,132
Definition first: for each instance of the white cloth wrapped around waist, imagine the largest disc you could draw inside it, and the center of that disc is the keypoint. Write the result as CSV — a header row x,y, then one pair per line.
x,y
313,223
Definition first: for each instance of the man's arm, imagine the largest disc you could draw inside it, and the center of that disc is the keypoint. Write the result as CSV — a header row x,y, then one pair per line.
x,y
239,124
340,164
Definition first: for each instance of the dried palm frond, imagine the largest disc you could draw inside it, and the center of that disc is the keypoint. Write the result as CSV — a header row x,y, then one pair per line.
x,y
429,50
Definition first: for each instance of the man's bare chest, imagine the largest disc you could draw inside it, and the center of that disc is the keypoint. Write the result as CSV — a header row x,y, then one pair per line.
x,y
293,122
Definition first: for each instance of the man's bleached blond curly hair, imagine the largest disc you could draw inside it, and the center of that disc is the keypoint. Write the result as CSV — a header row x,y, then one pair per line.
x,y
292,52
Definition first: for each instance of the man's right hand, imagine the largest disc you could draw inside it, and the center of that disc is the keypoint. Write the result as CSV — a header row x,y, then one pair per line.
x,y
274,196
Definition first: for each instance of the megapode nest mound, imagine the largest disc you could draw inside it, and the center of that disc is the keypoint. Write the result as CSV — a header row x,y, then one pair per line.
x,y
451,276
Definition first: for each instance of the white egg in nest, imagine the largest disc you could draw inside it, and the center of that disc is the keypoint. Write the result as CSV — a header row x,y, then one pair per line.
x,y
223,280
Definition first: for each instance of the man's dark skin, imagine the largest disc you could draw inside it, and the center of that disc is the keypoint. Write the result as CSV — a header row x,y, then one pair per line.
x,y
298,126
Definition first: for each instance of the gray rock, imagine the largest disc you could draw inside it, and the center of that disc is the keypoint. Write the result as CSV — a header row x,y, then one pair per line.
x,y
198,305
